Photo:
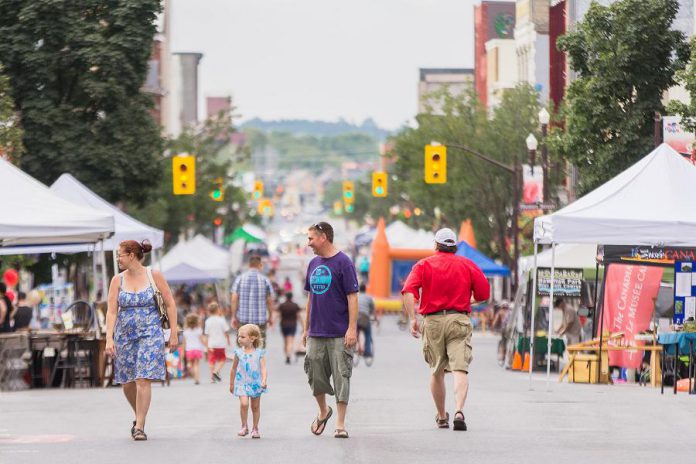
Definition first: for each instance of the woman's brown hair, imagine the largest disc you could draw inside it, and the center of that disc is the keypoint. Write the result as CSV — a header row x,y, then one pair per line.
x,y
138,249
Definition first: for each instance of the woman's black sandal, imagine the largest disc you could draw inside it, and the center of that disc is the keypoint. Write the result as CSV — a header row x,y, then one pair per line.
x,y
133,429
139,435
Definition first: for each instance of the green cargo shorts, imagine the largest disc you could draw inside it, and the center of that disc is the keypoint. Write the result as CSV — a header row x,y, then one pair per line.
x,y
326,359
447,342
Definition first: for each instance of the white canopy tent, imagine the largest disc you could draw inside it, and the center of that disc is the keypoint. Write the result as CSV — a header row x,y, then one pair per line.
x,y
579,255
37,217
34,215
125,227
399,235
650,203
201,257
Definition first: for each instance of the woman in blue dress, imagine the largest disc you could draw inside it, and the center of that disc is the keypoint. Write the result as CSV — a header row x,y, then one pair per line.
x,y
134,335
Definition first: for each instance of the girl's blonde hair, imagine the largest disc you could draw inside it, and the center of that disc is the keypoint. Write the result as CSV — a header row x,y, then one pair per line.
x,y
253,331
213,308
192,321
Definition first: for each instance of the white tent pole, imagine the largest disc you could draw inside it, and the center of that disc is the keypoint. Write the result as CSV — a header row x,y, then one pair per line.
x,y
531,327
550,332
105,296
95,284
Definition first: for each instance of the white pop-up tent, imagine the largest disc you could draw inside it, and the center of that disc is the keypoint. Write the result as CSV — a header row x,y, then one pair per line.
x,y
399,235
201,257
650,203
34,215
125,227
578,255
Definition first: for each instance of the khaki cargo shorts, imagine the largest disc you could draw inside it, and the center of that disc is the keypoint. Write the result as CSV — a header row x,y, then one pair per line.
x,y
326,359
447,342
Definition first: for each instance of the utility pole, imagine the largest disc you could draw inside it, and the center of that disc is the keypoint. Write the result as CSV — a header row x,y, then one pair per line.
x,y
516,172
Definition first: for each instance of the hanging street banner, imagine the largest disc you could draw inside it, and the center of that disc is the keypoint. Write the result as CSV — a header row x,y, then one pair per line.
x,y
567,281
629,301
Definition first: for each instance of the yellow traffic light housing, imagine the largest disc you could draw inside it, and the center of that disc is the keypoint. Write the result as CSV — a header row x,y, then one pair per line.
x,y
258,190
184,175
435,164
379,184
348,192
265,207
218,193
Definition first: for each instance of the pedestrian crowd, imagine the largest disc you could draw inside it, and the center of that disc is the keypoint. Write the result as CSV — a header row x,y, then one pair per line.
x,y
337,309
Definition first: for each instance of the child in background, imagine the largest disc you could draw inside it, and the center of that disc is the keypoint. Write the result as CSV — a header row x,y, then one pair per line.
x,y
193,345
248,376
217,338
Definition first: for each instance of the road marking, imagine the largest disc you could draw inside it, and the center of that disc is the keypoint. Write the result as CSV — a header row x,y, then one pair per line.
x,y
33,439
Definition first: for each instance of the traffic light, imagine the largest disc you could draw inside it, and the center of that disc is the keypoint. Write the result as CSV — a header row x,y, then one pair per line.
x,y
266,207
218,192
217,222
258,190
379,184
338,208
349,207
348,192
435,164
184,175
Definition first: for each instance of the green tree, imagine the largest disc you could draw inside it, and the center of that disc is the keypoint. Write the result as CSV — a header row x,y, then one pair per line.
x,y
626,55
76,71
475,189
687,77
215,158
10,131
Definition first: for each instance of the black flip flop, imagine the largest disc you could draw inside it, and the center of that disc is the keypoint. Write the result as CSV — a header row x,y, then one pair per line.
x,y
320,423
340,433
457,423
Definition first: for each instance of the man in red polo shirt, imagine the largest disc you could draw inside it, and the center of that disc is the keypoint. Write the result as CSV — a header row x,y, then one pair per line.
x,y
446,284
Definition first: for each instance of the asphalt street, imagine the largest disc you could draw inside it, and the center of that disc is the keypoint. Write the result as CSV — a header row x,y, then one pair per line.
x,y
390,419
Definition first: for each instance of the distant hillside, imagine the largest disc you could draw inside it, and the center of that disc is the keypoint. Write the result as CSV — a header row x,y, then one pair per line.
x,y
318,128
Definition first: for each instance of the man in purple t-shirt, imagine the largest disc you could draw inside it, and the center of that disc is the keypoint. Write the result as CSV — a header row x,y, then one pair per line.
x,y
330,328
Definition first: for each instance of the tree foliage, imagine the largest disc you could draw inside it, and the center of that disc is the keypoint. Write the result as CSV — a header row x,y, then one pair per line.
x,y
76,71
626,55
687,77
475,189
216,158
10,131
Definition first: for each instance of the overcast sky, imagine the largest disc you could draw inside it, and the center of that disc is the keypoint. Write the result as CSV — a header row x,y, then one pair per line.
x,y
322,59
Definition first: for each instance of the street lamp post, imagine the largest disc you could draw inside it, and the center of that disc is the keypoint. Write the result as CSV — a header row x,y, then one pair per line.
x,y
516,171
532,145
544,118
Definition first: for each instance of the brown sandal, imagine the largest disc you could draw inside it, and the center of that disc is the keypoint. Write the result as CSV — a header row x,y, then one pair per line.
x,y
139,435
442,423
318,425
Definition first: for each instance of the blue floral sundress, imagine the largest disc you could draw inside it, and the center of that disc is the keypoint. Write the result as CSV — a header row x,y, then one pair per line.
x,y
247,380
138,338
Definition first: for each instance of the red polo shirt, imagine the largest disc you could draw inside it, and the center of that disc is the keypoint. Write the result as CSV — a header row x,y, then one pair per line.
x,y
446,281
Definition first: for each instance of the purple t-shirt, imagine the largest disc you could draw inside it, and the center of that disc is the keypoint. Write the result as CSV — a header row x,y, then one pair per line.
x,y
329,281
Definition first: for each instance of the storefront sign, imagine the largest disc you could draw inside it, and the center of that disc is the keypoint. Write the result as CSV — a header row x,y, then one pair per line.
x,y
645,254
567,282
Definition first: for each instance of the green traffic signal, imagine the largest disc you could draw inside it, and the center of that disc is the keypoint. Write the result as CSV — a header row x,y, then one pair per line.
x,y
349,208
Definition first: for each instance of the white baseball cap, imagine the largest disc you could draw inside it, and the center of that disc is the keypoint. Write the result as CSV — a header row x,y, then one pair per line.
x,y
446,237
